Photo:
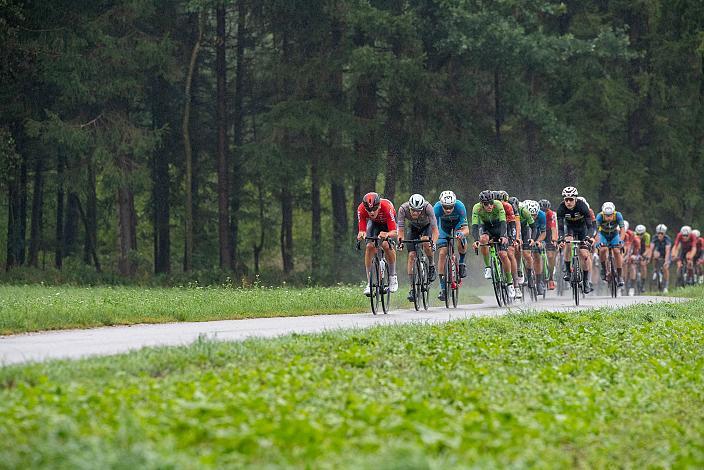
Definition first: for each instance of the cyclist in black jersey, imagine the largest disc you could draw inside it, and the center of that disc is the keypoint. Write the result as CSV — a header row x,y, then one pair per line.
x,y
574,221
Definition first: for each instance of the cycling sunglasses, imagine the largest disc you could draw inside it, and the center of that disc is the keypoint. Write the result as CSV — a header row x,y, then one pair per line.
x,y
372,209
569,199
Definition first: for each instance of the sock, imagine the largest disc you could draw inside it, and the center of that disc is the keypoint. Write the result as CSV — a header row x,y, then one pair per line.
x,y
567,266
410,280
620,272
486,260
392,269
442,282
462,255
509,278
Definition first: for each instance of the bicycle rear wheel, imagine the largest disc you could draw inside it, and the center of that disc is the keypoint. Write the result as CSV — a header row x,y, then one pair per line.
x,y
384,292
424,285
456,284
373,286
415,283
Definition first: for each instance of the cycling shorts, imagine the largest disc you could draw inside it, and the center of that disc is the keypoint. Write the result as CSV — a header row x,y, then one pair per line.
x,y
494,235
415,233
374,229
609,239
443,235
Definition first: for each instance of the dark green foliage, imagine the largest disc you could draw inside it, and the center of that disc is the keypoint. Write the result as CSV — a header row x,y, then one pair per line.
x,y
392,95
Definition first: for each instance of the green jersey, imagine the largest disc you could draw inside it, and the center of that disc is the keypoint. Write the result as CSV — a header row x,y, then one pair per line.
x,y
493,221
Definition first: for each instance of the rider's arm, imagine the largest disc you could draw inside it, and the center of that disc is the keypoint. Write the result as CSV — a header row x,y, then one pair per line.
x,y
502,220
475,221
561,222
391,221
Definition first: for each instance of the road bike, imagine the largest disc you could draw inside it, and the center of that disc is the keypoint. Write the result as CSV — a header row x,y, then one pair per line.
x,y
557,273
419,276
453,281
379,276
576,274
657,281
611,273
498,278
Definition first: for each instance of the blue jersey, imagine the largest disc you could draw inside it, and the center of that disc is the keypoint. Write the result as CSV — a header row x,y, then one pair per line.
x,y
454,220
540,222
609,227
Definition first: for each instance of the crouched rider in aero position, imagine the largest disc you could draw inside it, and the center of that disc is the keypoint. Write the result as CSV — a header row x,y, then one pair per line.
x,y
377,218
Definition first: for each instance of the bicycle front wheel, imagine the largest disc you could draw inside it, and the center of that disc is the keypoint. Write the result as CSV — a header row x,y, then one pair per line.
x,y
425,284
496,281
374,286
384,292
575,279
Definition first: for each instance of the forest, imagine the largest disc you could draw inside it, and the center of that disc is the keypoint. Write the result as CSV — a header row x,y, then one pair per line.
x,y
231,141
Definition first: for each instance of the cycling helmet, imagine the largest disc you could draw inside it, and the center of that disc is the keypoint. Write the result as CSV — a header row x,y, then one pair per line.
x,y
626,225
686,230
696,233
417,202
570,191
448,198
640,229
533,207
661,228
496,195
371,201
503,196
544,204
486,196
608,208
580,198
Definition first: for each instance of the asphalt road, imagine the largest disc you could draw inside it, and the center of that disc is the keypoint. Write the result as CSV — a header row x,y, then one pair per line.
x,y
113,340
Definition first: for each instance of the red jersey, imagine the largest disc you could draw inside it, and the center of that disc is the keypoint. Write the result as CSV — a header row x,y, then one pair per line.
x,y
551,220
687,243
510,216
630,240
386,215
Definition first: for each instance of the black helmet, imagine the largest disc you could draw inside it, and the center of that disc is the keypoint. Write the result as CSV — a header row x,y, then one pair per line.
x,y
486,196
544,204
513,200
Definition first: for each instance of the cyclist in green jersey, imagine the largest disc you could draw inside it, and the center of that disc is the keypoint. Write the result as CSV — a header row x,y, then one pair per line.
x,y
489,223
645,252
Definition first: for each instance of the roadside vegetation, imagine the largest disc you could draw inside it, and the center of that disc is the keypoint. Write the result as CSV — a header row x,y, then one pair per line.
x,y
598,388
38,308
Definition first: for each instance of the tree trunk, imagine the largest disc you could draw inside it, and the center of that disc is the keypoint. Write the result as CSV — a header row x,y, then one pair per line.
x,y
71,224
23,210
356,199
316,235
223,185
287,230
91,219
258,247
497,110
188,151
35,241
127,219
237,124
89,242
14,211
340,226
59,244
418,170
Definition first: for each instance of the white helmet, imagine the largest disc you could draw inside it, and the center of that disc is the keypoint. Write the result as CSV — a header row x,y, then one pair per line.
x,y
625,225
686,230
448,198
696,233
570,191
661,228
533,207
580,198
640,229
417,202
608,208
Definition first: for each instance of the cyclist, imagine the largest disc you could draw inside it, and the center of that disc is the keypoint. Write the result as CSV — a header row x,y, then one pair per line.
x,y
524,241
423,225
538,234
660,248
377,218
645,253
608,223
574,220
699,257
451,214
685,248
550,238
512,234
631,246
489,222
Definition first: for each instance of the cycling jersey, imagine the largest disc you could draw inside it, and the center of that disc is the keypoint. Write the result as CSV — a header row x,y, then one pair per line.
x,y
550,224
425,218
609,226
661,245
510,216
492,221
686,243
631,242
540,223
576,221
386,216
644,242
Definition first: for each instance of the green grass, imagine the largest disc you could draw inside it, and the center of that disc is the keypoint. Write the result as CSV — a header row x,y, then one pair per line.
x,y
37,308
588,389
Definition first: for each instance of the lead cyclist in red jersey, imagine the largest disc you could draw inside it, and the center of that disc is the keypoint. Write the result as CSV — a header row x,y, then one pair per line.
x,y
377,218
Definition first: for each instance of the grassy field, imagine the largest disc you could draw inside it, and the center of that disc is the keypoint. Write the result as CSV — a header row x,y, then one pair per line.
x,y
589,389
36,308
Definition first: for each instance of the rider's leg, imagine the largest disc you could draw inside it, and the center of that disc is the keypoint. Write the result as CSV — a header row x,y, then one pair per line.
x,y
603,250
506,265
442,259
368,255
484,240
390,257
551,264
514,265
411,260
